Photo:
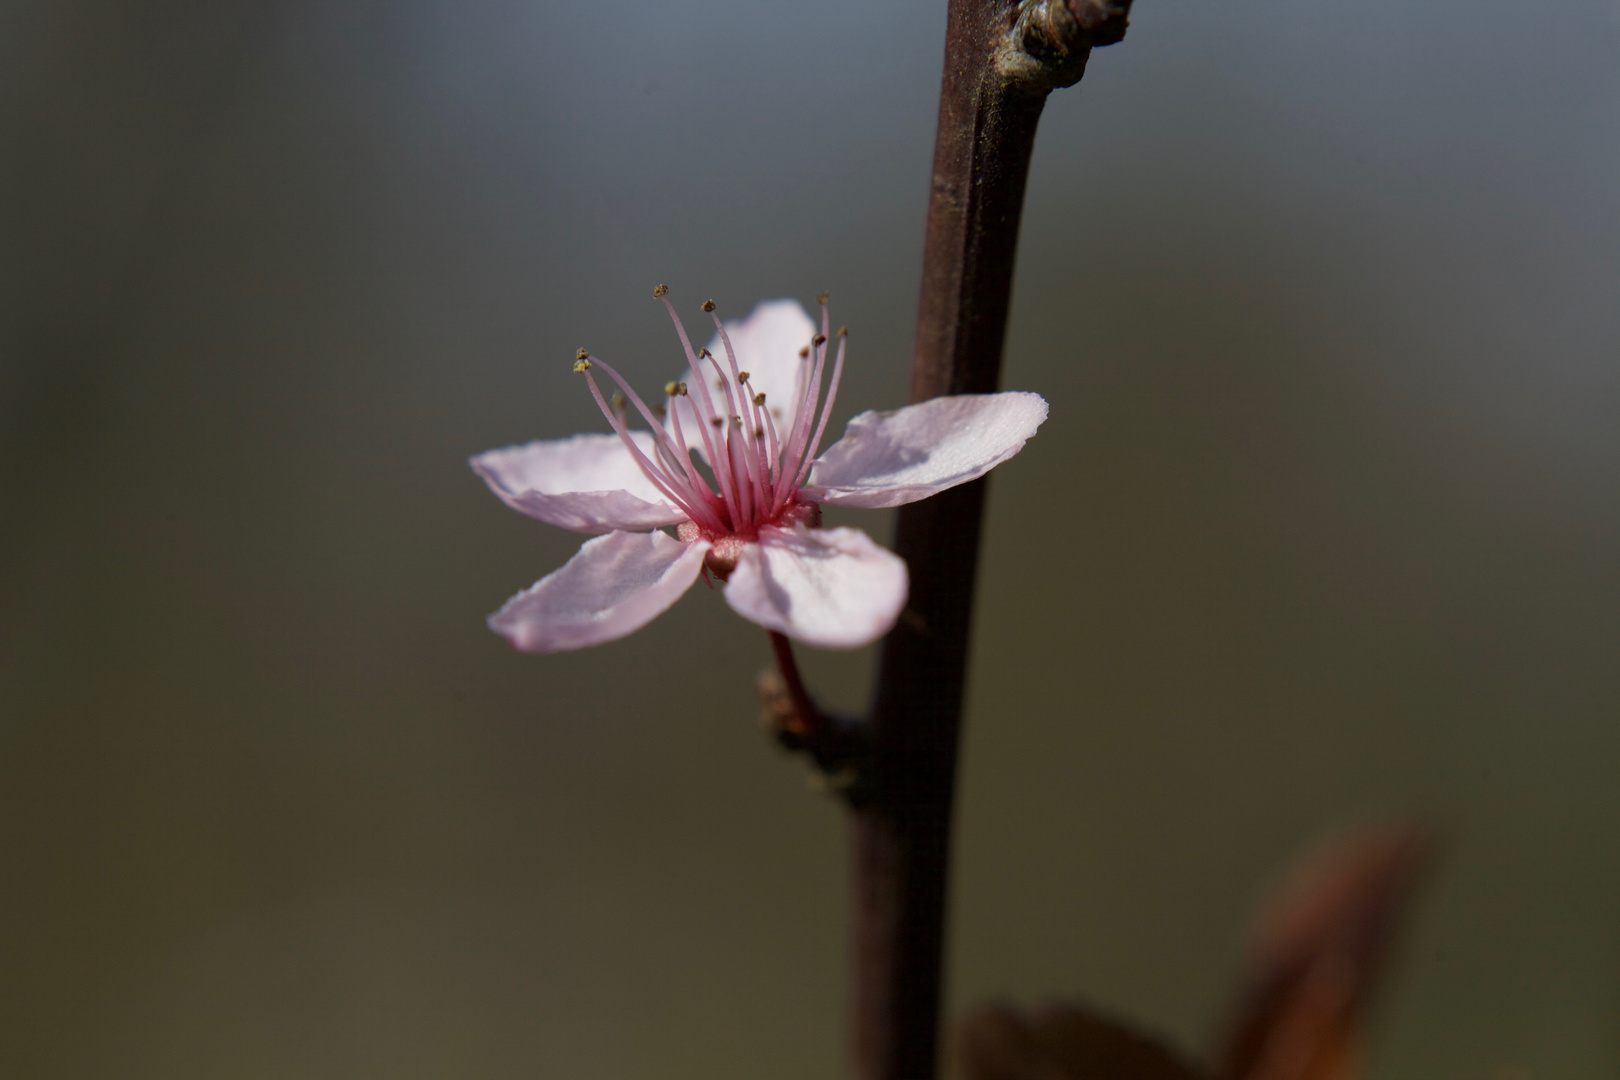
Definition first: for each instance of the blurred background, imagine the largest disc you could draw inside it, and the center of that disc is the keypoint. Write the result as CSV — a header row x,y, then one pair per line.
x,y
1323,527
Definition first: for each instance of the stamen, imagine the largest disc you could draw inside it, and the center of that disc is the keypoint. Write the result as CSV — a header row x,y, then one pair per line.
x,y
660,290
775,456
666,458
717,461
676,458
793,451
719,506
653,473
678,464
745,492
826,413
757,469
755,455
698,482
737,480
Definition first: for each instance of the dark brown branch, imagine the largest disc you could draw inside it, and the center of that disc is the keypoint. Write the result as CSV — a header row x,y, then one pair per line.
x,y
1001,60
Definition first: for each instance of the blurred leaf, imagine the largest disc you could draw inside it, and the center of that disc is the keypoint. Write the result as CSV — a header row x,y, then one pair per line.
x,y
1318,948
1319,945
1060,1043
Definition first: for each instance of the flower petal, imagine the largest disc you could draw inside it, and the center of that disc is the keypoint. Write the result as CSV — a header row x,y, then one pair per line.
x,y
833,588
767,344
588,483
615,585
893,458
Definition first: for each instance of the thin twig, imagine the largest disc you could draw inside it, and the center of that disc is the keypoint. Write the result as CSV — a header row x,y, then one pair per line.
x,y
805,720
838,746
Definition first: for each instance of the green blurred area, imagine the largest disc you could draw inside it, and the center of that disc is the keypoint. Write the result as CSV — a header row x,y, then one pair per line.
x,y
1322,528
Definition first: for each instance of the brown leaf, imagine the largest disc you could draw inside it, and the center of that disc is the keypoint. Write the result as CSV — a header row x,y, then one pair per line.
x,y
1060,1043
1318,948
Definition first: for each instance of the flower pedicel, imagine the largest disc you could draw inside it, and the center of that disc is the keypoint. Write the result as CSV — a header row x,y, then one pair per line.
x,y
753,518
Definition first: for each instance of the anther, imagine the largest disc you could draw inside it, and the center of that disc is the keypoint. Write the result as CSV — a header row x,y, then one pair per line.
x,y
742,376
804,353
759,433
843,331
618,401
819,340
581,353
671,389
759,399
580,366
704,354
715,421
708,305
821,298
660,290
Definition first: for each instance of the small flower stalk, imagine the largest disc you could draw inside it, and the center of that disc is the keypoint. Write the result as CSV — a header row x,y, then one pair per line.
x,y
731,464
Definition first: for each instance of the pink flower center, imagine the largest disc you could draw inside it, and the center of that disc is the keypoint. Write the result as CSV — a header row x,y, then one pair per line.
x,y
726,548
755,470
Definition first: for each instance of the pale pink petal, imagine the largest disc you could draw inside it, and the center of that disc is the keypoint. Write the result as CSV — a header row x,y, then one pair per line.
x,y
588,483
767,343
615,585
833,588
892,458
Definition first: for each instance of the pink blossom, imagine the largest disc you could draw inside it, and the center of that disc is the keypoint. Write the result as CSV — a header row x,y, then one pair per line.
x,y
748,512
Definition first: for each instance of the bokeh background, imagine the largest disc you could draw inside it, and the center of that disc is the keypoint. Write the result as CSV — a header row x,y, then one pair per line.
x,y
1323,527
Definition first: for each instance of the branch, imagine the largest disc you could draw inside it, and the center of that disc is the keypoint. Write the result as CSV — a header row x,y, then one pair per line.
x,y
1002,58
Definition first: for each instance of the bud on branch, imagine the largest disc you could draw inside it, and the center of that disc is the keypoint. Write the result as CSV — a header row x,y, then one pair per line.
x,y
1050,40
